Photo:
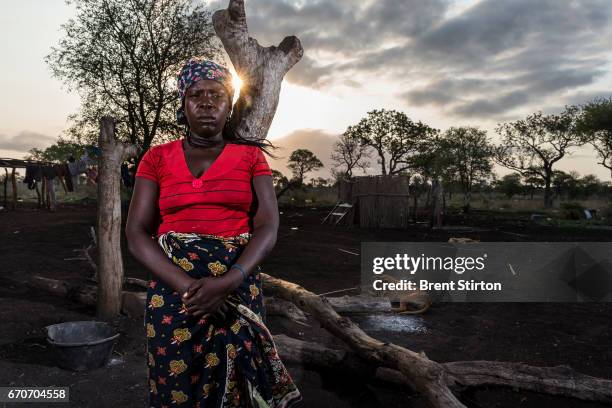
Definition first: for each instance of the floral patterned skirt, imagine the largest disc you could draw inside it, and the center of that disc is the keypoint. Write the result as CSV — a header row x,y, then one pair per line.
x,y
214,361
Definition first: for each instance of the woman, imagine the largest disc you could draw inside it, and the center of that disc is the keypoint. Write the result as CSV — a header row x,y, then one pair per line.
x,y
207,344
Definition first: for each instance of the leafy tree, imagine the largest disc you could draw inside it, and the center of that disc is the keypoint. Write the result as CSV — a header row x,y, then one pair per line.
x,y
590,185
431,162
281,183
58,152
531,183
122,56
510,185
596,123
301,162
393,136
469,157
532,146
319,182
278,179
349,153
566,184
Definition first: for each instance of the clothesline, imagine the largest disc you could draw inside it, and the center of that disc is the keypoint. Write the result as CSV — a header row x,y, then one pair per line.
x,y
9,162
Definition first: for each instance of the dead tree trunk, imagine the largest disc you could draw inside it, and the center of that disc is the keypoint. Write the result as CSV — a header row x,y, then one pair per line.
x,y
261,69
110,268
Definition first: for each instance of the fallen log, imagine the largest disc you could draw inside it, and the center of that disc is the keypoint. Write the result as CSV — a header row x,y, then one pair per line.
x,y
559,380
84,294
137,282
432,379
280,307
132,303
426,377
318,356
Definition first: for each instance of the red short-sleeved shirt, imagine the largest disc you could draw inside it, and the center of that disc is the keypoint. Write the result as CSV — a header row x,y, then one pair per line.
x,y
218,203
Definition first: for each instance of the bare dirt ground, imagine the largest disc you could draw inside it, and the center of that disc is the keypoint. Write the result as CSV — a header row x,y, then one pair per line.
x,y
37,242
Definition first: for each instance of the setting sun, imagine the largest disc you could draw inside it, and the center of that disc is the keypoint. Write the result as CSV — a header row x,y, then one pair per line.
x,y
236,81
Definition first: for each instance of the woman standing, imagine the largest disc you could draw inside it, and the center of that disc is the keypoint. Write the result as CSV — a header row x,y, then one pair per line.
x,y
209,200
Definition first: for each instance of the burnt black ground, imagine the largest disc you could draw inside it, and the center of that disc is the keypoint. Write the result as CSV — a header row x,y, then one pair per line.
x,y
37,242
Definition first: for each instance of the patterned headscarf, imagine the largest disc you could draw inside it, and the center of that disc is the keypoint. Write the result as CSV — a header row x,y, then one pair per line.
x,y
194,71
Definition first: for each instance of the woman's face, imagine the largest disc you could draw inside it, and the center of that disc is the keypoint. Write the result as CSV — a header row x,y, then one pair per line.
x,y
207,106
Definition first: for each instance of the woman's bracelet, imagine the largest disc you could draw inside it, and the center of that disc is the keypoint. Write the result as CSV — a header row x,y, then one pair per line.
x,y
241,269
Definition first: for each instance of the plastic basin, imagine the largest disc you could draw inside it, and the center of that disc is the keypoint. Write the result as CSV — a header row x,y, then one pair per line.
x,y
81,345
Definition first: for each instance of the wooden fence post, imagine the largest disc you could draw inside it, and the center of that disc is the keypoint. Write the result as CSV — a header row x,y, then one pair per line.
x,y
110,264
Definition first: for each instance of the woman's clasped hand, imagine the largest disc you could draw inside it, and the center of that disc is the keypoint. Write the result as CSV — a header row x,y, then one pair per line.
x,y
207,296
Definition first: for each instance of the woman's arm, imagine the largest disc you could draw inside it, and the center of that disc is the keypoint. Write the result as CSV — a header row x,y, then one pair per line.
x,y
141,226
265,230
208,294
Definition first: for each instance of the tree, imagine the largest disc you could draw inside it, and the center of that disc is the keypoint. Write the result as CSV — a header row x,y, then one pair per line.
x,y
432,162
531,183
301,162
319,182
510,185
393,136
470,157
349,153
596,123
57,152
533,145
281,183
122,57
590,185
566,184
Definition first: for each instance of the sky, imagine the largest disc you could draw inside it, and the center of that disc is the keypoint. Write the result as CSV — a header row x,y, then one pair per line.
x,y
444,62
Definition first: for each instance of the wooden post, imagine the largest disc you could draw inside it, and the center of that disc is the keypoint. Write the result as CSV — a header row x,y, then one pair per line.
x,y
436,207
52,199
46,203
38,195
110,268
5,186
14,184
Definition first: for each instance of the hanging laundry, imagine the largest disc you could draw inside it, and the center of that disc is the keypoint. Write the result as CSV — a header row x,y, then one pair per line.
x,y
64,172
126,176
92,174
29,176
73,168
49,172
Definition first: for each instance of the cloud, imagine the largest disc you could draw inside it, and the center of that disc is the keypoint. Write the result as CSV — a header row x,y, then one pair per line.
x,y
335,33
317,141
494,58
493,105
25,140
